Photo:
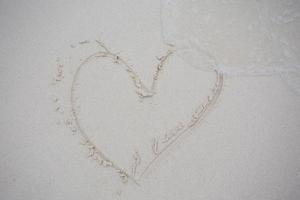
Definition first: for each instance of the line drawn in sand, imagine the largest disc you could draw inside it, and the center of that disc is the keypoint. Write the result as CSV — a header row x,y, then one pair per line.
x,y
159,144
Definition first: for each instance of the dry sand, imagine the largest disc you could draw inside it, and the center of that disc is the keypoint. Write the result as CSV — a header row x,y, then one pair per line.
x,y
246,145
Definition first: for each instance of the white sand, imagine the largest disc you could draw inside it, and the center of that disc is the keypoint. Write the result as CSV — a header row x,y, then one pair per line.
x,y
246,147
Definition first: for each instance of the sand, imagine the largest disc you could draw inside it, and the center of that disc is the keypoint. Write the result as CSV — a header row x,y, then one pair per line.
x,y
221,122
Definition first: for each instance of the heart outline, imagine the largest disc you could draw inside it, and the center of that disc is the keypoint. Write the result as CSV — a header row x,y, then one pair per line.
x,y
143,92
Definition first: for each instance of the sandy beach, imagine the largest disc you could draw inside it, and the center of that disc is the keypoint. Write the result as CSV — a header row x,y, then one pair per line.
x,y
117,99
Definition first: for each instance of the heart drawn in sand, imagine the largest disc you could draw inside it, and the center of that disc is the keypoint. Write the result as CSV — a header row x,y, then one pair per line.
x,y
149,142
